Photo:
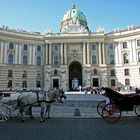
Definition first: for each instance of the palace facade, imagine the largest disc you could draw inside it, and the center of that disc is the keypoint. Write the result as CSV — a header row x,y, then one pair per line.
x,y
74,56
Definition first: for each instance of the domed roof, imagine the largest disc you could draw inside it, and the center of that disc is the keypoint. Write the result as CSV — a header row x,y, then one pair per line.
x,y
74,14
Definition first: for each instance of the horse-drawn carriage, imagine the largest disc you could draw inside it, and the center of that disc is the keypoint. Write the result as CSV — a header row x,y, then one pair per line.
x,y
111,109
29,99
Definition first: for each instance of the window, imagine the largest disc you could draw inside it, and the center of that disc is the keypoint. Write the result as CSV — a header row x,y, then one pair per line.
x,y
138,42
11,45
24,74
139,56
113,83
24,84
25,47
56,48
9,84
56,60
94,59
126,72
112,72
127,82
124,45
10,73
125,58
93,48
112,59
39,48
10,59
38,61
56,55
25,60
111,46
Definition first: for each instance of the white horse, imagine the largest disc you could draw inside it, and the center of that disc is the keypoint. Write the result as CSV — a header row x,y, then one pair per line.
x,y
42,99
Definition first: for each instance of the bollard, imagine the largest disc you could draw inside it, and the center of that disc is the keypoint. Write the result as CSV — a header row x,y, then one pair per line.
x,y
77,112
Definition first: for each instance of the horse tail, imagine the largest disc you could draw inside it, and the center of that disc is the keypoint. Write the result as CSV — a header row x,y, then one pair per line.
x,y
18,102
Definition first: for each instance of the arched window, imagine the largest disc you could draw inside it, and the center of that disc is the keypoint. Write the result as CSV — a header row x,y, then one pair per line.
x,y
39,48
25,60
124,45
10,59
93,47
25,47
113,83
139,56
11,45
125,58
112,59
138,42
38,61
127,82
94,59
111,46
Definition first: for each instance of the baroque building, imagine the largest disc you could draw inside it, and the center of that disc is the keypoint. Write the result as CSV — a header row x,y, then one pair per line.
x,y
74,56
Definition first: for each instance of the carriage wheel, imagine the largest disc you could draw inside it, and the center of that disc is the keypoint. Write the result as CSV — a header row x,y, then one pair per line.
x,y
111,113
100,107
137,110
5,113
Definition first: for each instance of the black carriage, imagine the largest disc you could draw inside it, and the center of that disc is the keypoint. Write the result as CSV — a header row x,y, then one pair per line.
x,y
111,112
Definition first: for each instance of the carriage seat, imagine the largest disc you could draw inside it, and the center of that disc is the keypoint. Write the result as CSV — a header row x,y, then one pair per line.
x,y
114,94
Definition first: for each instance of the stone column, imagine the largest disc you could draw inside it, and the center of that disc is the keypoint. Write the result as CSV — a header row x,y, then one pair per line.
x,y
87,53
19,54
61,53
103,52
33,56
5,52
1,51
99,53
65,53
134,51
50,53
46,54
116,52
30,54
16,53
119,53
84,53
131,52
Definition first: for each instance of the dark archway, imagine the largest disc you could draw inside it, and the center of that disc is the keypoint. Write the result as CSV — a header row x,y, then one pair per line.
x,y
75,75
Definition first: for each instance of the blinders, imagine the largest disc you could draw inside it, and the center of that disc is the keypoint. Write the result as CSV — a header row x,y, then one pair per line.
x,y
61,94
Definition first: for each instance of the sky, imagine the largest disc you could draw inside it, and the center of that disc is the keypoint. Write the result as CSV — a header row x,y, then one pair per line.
x,y
41,15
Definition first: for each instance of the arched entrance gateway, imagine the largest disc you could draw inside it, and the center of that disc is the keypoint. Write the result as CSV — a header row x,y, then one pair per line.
x,y
75,75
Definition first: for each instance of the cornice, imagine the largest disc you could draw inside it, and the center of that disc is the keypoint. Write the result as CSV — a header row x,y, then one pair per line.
x,y
20,35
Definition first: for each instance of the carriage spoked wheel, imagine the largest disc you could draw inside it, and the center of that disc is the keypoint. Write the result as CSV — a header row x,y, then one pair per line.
x,y
111,113
100,107
137,110
5,113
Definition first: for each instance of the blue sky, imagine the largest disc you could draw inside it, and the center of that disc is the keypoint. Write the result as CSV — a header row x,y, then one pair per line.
x,y
39,15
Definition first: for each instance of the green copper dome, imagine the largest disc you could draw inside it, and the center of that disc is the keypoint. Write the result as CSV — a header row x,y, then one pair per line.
x,y
74,14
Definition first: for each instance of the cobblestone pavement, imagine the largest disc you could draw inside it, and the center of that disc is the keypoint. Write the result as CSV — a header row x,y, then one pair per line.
x,y
64,125
70,129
